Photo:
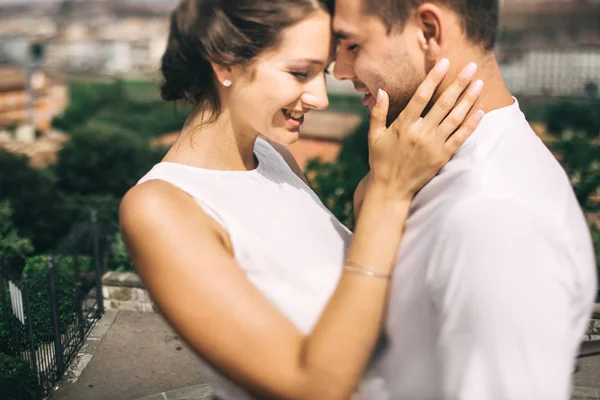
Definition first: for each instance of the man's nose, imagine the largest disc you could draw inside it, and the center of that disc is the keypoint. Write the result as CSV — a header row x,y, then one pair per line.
x,y
344,66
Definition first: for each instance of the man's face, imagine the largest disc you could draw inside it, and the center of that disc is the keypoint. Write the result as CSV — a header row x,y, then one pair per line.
x,y
373,59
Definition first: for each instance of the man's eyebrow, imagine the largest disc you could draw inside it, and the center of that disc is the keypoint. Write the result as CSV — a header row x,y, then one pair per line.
x,y
341,34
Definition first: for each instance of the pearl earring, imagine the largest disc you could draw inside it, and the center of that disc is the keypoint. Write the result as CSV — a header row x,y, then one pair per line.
x,y
226,83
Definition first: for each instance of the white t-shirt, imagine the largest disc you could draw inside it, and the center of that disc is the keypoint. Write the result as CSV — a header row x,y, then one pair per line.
x,y
495,278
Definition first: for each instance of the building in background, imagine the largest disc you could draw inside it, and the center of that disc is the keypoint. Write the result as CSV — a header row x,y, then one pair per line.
x,y
26,123
102,37
49,99
546,49
550,47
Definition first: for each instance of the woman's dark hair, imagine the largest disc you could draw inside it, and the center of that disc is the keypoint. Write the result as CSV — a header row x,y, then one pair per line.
x,y
227,33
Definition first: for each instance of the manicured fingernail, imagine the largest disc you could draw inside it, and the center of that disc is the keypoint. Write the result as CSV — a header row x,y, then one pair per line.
x,y
379,96
470,70
443,65
477,86
478,116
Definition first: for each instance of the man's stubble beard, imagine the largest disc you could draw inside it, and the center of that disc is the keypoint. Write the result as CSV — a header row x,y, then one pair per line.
x,y
402,86
400,97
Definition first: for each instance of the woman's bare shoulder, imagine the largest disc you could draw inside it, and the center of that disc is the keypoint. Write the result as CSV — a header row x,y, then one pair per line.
x,y
153,204
149,197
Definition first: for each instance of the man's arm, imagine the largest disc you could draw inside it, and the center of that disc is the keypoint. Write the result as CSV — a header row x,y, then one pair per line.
x,y
502,283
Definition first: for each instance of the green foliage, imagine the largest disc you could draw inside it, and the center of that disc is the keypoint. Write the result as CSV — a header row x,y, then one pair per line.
x,y
568,116
580,157
38,284
86,99
120,260
591,90
7,339
351,104
17,381
38,280
335,183
577,127
101,162
36,203
134,107
107,154
13,247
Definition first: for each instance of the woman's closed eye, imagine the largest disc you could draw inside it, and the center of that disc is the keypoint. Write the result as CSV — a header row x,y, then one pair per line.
x,y
302,75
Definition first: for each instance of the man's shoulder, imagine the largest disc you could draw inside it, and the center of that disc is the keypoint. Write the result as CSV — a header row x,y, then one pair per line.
x,y
493,215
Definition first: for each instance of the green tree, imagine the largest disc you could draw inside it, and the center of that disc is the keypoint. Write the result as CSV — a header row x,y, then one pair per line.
x,y
17,381
120,258
566,116
36,203
14,249
87,99
131,106
580,156
102,161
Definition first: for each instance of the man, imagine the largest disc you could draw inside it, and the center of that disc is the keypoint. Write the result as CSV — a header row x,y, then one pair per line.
x,y
495,277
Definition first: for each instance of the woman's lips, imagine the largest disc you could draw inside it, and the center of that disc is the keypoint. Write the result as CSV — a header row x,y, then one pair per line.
x,y
294,122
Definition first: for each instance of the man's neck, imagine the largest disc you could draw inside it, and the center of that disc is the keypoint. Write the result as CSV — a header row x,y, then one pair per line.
x,y
494,94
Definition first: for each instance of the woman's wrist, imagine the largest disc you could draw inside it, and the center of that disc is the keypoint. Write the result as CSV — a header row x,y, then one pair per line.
x,y
395,201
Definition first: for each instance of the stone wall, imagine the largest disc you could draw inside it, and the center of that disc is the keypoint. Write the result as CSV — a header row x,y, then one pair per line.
x,y
125,291
593,332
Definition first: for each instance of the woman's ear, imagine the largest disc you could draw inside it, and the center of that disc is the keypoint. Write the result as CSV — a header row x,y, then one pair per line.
x,y
223,74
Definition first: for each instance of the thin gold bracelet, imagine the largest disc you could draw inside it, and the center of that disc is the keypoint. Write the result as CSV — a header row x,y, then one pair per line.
x,y
353,266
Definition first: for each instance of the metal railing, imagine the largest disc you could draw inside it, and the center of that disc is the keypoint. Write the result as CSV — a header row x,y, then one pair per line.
x,y
49,308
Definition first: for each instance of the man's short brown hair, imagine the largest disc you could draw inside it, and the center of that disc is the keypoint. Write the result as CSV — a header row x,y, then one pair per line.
x,y
479,18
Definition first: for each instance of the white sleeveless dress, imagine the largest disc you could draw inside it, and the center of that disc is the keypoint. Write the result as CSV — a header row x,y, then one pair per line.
x,y
288,243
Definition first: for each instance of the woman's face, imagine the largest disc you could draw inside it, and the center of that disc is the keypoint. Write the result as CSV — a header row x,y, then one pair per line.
x,y
271,97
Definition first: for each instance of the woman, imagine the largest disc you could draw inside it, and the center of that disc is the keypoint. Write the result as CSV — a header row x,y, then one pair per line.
x,y
238,253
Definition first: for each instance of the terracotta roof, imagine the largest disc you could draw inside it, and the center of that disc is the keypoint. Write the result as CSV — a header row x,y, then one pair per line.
x,y
41,152
11,78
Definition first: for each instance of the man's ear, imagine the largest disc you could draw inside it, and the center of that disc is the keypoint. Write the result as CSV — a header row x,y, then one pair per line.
x,y
431,36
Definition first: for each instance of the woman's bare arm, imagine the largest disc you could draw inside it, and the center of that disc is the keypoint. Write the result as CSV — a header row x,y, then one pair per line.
x,y
359,195
204,294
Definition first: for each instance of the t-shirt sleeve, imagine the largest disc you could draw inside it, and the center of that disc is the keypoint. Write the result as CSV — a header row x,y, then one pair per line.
x,y
500,282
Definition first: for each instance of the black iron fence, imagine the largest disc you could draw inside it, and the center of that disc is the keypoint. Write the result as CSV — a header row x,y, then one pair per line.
x,y
50,303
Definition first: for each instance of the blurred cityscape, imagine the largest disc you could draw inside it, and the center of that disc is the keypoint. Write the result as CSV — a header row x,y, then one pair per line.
x,y
81,120
547,48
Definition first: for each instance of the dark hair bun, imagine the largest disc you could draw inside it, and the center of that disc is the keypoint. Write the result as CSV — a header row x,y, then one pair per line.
x,y
185,71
